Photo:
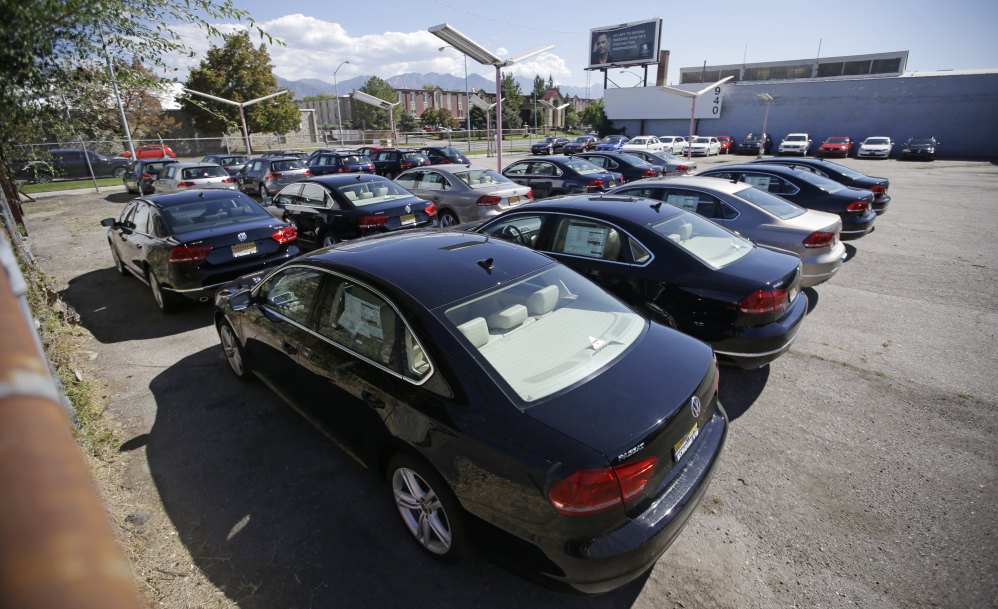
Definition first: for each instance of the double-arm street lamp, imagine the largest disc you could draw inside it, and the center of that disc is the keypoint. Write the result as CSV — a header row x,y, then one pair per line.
x,y
384,105
336,90
766,97
481,103
241,105
693,95
467,95
480,54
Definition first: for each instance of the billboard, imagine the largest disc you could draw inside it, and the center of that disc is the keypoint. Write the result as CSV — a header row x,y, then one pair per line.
x,y
626,44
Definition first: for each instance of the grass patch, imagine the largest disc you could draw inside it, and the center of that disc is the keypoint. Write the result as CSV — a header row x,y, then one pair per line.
x,y
68,185
881,374
965,396
718,501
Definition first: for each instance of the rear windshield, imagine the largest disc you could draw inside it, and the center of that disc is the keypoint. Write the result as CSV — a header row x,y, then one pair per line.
x,y
450,151
583,167
837,140
714,246
542,334
198,173
201,214
877,141
229,161
815,180
482,178
778,206
414,156
286,165
369,193
354,160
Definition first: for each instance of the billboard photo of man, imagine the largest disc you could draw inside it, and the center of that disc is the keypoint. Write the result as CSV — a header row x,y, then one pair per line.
x,y
600,49
625,44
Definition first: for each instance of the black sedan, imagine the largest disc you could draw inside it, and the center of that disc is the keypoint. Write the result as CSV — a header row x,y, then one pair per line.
x,y
841,174
140,175
330,209
551,176
809,190
750,145
508,389
339,162
549,145
628,166
69,163
390,162
186,245
676,266
583,143
919,148
444,155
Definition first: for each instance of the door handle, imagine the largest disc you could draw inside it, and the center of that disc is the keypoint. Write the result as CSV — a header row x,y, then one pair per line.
x,y
288,348
371,399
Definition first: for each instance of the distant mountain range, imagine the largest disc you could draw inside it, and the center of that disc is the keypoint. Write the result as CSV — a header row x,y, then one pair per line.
x,y
312,86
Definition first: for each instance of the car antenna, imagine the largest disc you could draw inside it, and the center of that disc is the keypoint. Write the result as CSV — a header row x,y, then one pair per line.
x,y
656,206
486,264
201,193
734,180
358,177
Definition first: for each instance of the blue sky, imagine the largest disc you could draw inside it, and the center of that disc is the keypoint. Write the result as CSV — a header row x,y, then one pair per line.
x,y
389,37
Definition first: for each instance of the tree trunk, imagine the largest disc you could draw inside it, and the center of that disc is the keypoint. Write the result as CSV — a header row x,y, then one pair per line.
x,y
10,191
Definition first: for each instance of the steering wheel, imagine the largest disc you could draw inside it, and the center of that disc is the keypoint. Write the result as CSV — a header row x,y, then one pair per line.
x,y
514,234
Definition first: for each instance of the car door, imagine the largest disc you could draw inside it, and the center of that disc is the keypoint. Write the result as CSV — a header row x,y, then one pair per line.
x,y
699,202
592,247
278,321
543,178
131,176
385,163
432,186
136,239
522,228
323,164
349,367
120,232
164,182
308,210
519,172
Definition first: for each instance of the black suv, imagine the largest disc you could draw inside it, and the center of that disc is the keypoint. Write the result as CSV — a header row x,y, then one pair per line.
x,y
390,162
231,163
750,145
140,175
549,145
69,164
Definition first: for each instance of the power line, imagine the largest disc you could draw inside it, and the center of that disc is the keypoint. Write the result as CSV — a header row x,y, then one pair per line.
x,y
526,27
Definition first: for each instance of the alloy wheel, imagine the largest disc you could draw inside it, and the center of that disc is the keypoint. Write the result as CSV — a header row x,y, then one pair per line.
x,y
421,510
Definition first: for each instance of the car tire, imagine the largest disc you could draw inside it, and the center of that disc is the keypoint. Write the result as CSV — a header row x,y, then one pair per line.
x,y
118,172
163,301
263,192
233,352
118,264
428,509
328,240
448,218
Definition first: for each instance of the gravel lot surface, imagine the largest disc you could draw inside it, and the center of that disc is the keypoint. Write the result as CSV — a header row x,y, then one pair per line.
x,y
861,467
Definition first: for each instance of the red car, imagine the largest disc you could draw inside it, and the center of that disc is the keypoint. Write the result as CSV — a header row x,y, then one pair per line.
x,y
835,146
727,143
152,151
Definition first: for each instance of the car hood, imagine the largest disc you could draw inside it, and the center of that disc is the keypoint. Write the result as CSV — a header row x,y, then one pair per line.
x,y
827,145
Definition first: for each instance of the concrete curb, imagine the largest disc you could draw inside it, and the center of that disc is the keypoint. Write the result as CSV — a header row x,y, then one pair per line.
x,y
75,191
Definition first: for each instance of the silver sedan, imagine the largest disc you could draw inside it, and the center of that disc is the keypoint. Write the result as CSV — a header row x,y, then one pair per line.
x,y
763,217
464,193
177,177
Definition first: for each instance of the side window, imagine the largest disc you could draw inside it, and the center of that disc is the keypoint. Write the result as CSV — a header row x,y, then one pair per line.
x,y
638,253
410,180
312,195
127,212
158,227
141,219
805,168
289,195
647,192
521,228
416,363
723,175
360,320
611,164
543,169
257,165
763,182
597,161
691,200
383,156
517,169
291,292
729,213
587,238
434,181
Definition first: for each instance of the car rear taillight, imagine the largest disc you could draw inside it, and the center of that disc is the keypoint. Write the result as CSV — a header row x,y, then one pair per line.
x,y
308,172
342,169
228,181
186,184
649,173
189,253
405,164
372,221
271,176
682,168
146,176
819,238
431,210
858,206
878,189
485,200
530,194
446,162
284,235
594,490
595,184
761,302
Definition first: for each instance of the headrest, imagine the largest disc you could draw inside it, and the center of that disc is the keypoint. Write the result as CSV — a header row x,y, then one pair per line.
x,y
352,195
509,318
476,331
685,231
543,300
381,191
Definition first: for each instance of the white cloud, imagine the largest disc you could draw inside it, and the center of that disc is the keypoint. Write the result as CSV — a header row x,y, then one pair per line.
x,y
314,48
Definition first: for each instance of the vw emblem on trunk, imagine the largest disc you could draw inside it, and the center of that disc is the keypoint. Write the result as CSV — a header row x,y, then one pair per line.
x,y
408,208
241,236
695,406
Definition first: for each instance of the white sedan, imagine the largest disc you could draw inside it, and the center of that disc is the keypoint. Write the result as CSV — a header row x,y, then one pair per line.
x,y
875,147
703,145
673,143
647,143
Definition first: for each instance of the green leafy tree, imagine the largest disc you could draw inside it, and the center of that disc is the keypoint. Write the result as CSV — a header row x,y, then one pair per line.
x,y
571,117
437,117
238,72
428,87
375,118
405,122
512,99
595,117
479,121
539,87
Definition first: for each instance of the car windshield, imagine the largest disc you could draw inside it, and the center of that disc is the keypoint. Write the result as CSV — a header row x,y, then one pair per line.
x,y
200,173
709,243
752,138
414,156
796,138
544,333
640,140
610,139
778,206
815,180
582,140
201,214
921,142
229,161
583,167
837,140
723,138
877,141
354,160
701,140
369,193
482,178
286,165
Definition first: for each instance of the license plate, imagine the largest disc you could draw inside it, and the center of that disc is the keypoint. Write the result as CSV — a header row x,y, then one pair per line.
x,y
612,183
408,219
793,293
243,249
683,445
514,200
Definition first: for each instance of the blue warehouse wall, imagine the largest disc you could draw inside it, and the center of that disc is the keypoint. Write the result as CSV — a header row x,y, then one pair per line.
x,y
960,110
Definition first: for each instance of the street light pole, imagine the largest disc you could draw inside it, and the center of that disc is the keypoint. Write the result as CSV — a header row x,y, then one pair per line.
x,y
240,105
693,95
336,89
467,94
117,97
766,97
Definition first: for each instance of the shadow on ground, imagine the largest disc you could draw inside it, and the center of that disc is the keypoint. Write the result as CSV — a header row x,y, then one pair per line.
x,y
116,308
280,517
739,389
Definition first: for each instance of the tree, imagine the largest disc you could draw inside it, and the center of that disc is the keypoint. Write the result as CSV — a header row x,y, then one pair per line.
x,y
571,117
437,117
143,107
375,118
405,122
512,99
238,72
539,87
550,82
479,121
428,87
595,117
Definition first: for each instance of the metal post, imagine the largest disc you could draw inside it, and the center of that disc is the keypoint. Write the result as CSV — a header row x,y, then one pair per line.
x,y
117,97
689,148
242,117
336,89
467,103
762,137
498,120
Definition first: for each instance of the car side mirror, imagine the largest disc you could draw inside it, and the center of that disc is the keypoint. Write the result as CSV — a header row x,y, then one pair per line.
x,y
241,300
108,222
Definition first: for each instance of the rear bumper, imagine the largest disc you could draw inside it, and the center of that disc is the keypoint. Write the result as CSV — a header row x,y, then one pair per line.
x,y
854,228
199,284
754,347
612,560
822,267
880,204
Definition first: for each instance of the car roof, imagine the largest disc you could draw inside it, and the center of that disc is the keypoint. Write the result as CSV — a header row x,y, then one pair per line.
x,y
717,184
425,252
179,198
198,164
596,206
451,168
770,167
337,180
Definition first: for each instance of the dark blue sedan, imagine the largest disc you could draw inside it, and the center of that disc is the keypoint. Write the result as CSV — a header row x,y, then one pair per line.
x,y
339,162
550,176
629,166
612,142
